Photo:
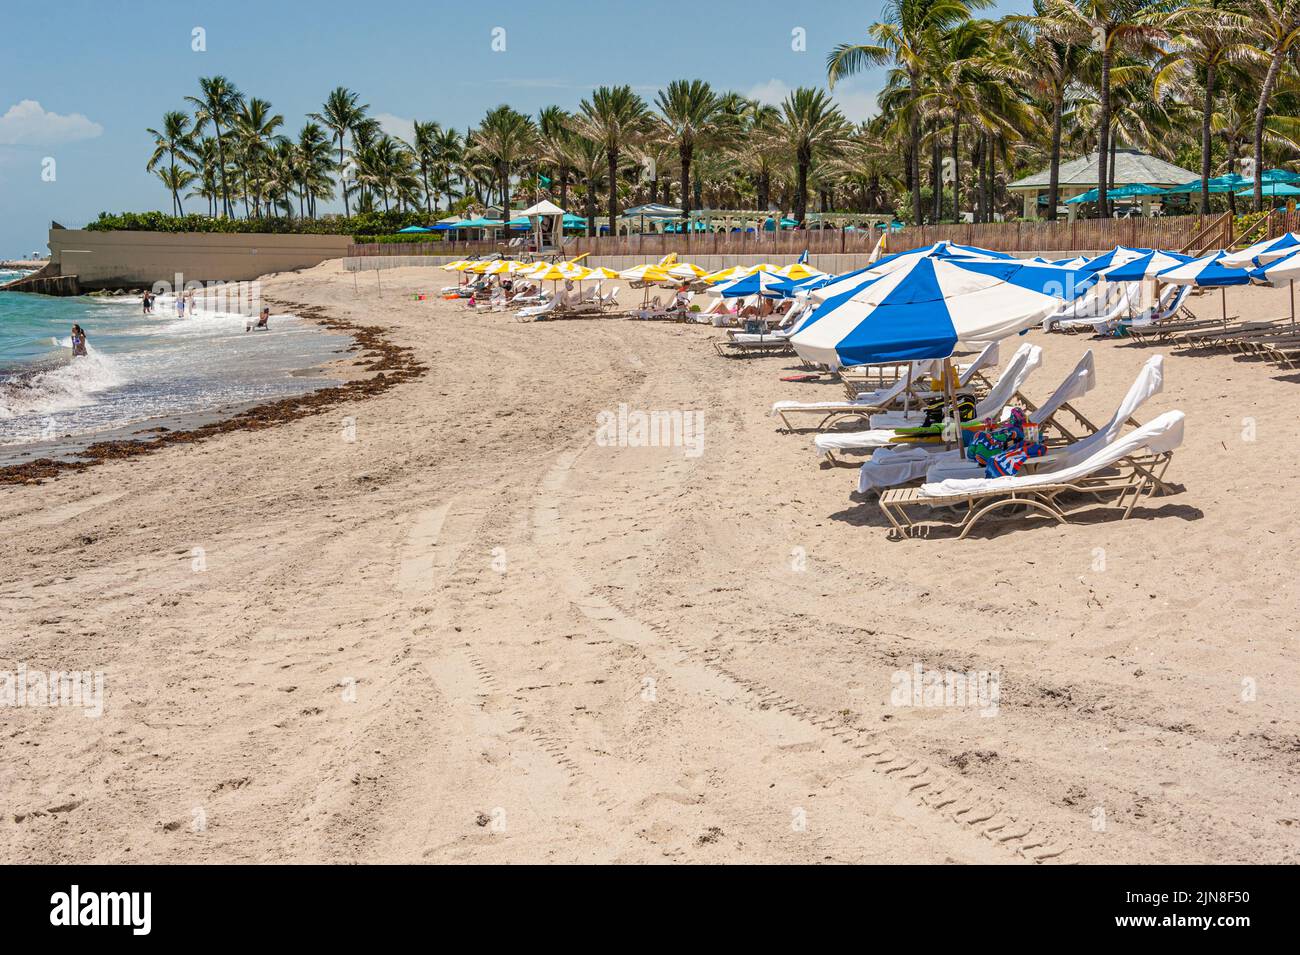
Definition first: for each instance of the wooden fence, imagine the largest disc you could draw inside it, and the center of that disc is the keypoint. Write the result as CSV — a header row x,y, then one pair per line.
x,y
1172,232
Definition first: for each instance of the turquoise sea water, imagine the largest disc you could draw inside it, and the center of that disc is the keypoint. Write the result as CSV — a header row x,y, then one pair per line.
x,y
140,366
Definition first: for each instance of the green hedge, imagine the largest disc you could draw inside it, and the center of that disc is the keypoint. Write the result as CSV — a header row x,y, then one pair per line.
x,y
407,237
369,224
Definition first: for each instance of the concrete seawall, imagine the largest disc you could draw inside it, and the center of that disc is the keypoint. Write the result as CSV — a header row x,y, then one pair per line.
x,y
86,261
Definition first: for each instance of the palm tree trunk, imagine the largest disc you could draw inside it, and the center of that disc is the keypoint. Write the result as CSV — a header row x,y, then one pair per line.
x,y
1261,112
803,161
1206,115
956,169
611,154
684,153
915,135
1054,177
343,185
1103,123
505,201
221,169
936,175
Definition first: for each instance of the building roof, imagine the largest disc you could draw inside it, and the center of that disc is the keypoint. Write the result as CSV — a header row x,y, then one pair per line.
x,y
1131,166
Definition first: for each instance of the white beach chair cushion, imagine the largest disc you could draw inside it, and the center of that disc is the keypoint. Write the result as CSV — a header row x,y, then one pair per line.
x,y
890,467
1163,433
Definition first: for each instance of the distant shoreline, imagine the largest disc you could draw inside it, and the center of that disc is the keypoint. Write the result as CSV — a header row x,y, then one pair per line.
x,y
22,265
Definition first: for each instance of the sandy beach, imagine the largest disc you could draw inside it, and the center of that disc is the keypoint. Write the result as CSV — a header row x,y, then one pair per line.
x,y
440,622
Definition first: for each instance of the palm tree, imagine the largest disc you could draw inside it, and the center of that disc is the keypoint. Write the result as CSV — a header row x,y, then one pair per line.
x,y
505,137
905,38
586,158
1109,28
812,125
341,115
425,149
554,129
217,102
176,179
1056,66
1276,33
1205,38
176,139
312,163
615,117
692,116
255,128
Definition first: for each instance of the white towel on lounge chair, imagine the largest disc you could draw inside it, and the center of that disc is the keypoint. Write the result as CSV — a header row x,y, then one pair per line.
x,y
870,399
1023,363
890,467
1027,358
1163,433
1149,381
1164,309
1119,309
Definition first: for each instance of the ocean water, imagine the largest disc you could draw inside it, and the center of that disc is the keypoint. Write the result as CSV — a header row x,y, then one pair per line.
x,y
141,367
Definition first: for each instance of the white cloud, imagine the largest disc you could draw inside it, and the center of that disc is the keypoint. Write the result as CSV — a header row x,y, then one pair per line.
x,y
855,102
28,124
403,129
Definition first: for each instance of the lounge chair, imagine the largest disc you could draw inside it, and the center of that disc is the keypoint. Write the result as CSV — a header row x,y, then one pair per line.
x,y
890,467
882,433
1149,382
1168,307
537,313
1117,309
862,406
651,310
1128,468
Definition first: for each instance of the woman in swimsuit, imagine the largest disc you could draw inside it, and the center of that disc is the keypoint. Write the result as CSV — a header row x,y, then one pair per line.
x,y
78,341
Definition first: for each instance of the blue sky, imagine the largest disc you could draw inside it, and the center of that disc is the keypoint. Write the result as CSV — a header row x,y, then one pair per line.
x,y
81,87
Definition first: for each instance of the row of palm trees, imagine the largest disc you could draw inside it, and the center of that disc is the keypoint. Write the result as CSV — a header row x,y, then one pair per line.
x,y
969,102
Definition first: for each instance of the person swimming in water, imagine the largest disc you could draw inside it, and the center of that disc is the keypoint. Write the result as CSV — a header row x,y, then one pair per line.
x,y
78,341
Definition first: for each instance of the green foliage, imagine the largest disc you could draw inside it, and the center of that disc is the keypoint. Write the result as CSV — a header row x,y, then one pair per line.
x,y
368,224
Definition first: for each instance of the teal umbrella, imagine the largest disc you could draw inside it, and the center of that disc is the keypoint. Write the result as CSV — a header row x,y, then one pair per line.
x,y
1273,189
1279,175
414,228
1229,182
1120,192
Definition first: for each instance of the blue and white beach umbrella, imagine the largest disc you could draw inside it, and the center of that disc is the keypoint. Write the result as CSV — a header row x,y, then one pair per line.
x,y
1119,255
1208,271
925,309
1144,266
1261,253
755,283
1285,269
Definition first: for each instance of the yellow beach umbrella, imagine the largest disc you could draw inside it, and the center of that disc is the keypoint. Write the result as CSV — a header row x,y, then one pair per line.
x,y
551,273
502,267
687,272
799,270
761,267
600,272
646,273
724,275
457,265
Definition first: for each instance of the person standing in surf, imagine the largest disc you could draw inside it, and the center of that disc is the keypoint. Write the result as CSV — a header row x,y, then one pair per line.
x,y
78,341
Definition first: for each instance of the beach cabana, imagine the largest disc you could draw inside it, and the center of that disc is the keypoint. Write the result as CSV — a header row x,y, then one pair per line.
x,y
1076,176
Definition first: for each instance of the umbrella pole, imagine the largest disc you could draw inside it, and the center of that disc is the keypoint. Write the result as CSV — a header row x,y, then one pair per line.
x,y
1292,284
1223,296
951,392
